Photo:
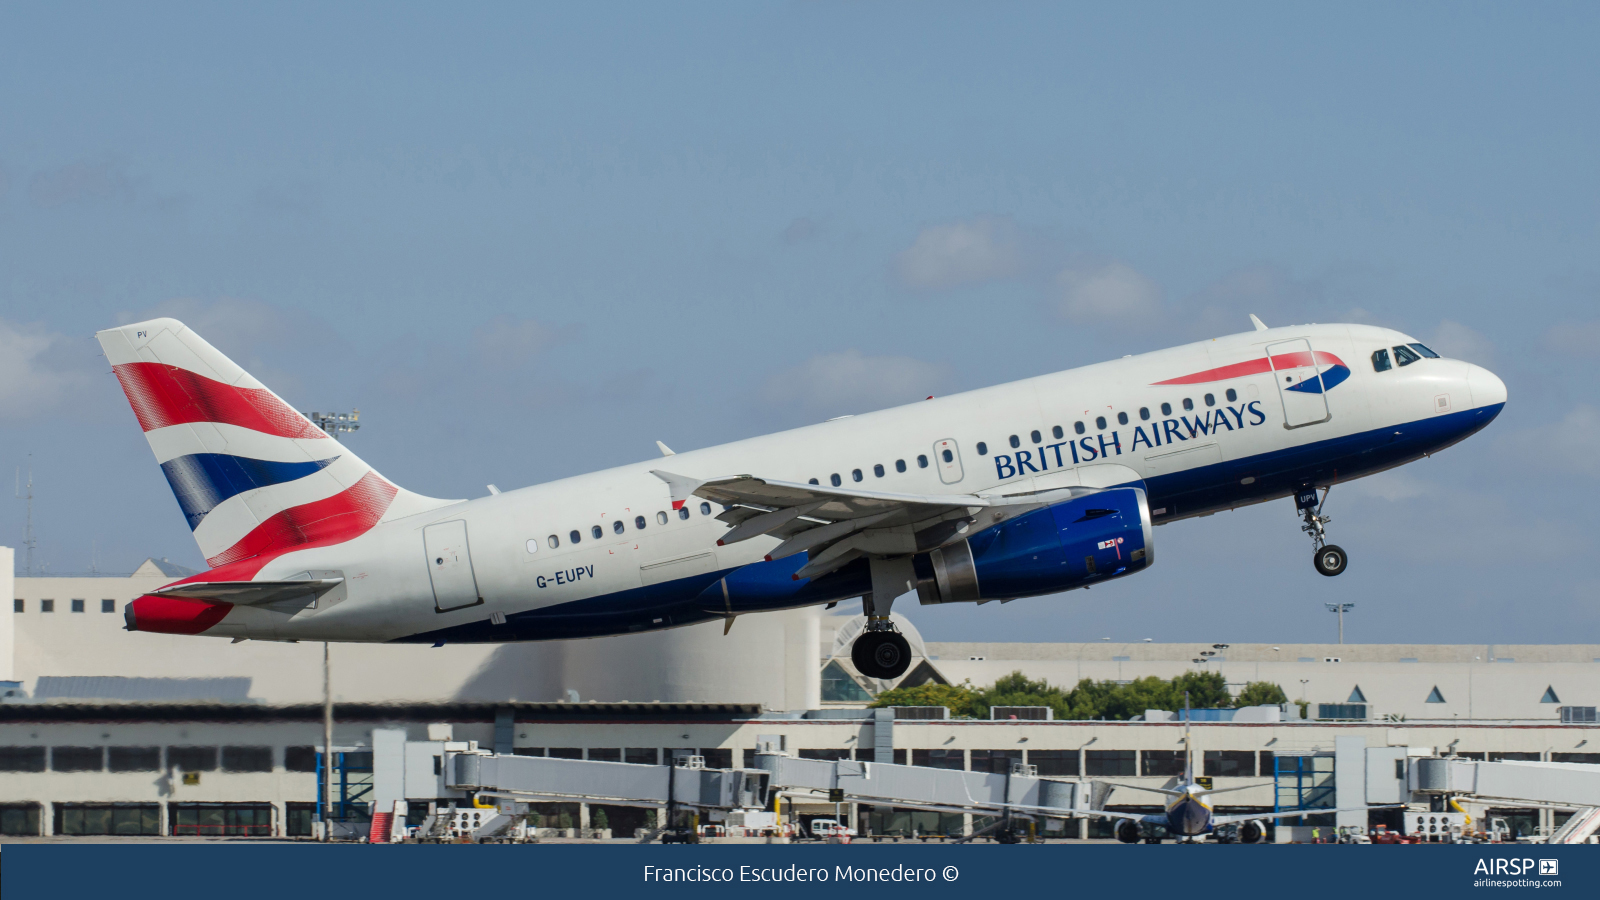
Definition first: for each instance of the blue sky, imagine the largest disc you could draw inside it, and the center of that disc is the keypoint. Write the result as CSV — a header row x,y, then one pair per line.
x,y
530,241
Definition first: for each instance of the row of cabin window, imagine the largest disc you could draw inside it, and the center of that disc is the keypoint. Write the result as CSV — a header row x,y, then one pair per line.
x,y
49,606
878,471
576,537
1404,355
1100,421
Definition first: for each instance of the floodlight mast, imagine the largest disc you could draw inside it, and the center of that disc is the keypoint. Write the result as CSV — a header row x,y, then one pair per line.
x,y
1340,609
336,423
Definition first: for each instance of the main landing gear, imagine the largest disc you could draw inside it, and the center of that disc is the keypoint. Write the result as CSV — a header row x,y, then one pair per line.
x,y
1329,559
881,651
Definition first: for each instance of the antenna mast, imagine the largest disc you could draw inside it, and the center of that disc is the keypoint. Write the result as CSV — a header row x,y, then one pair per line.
x,y
28,541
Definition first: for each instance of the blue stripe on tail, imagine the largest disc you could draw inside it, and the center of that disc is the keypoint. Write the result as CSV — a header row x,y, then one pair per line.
x,y
202,481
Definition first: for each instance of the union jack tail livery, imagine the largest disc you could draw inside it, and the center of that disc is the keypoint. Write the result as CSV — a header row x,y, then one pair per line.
x,y
254,478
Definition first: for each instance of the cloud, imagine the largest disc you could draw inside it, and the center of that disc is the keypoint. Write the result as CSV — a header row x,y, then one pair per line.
x,y
1566,446
1394,485
38,370
1457,341
1106,291
507,343
848,382
85,181
983,248
801,230
1575,338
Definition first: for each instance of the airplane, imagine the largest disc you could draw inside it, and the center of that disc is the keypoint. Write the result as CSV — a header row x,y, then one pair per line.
x,y
1189,817
1025,489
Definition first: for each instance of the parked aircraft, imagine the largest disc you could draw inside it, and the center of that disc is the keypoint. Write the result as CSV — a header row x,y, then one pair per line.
x,y
1029,488
1188,817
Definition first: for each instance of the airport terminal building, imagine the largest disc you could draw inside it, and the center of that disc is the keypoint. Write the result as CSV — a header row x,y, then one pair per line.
x,y
108,732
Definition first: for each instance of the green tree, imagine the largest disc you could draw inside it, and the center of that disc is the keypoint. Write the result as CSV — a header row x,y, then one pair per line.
x,y
598,819
958,698
1260,693
1207,690
1017,689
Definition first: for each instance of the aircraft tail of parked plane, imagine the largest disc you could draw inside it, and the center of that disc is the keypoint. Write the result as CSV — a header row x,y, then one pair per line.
x,y
255,479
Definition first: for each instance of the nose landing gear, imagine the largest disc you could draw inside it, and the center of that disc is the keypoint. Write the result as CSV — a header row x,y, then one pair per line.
x,y
1329,559
880,651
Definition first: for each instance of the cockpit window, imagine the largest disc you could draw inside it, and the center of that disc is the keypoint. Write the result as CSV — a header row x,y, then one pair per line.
x,y
1424,351
1405,356
1380,361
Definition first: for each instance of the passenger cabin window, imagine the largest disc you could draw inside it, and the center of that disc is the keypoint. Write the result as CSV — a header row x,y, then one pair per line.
x,y
1211,400
574,536
813,481
948,456
1144,413
705,508
922,461
617,526
1078,427
1424,351
899,465
1122,418
855,474
595,532
1057,432
1405,356
983,449
1100,422
1166,409
638,522
533,547
1037,437
683,513
835,480
1380,361
1232,395
1016,441
877,469
554,541
1188,404
661,517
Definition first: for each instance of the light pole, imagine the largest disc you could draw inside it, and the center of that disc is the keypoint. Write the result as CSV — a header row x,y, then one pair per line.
x,y
1341,609
334,423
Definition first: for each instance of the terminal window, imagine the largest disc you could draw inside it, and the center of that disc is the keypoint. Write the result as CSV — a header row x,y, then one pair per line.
x,y
47,606
939,758
192,759
718,757
1110,762
642,756
108,818
1054,762
77,759
247,759
246,819
19,818
606,754
77,606
829,755
19,605
300,759
108,606
567,752
21,759
134,759
1162,762
1230,763
996,761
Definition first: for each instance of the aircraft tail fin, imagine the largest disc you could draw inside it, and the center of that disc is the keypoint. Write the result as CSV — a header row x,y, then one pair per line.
x,y
254,478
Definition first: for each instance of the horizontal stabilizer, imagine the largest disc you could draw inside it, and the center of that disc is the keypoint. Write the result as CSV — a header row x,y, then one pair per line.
x,y
250,593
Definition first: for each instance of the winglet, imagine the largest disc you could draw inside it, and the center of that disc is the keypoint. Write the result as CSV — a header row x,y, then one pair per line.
x,y
665,450
1260,325
682,488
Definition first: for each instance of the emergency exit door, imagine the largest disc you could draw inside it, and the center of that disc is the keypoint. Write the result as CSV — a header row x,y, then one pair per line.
x,y
450,565
1300,384
947,456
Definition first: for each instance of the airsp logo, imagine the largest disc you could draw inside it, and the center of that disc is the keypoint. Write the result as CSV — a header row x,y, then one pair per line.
x,y
1515,867
1549,867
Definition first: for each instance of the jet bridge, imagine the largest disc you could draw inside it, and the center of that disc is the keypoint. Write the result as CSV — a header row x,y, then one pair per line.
x,y
1574,786
543,779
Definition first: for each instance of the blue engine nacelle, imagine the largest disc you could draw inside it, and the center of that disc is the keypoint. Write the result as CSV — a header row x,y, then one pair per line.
x,y
1080,542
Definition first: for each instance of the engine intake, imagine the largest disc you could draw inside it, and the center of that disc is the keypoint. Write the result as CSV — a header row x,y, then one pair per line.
x,y
1128,831
1063,546
1252,832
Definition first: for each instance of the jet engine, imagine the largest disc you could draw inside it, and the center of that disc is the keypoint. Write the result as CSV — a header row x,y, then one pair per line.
x,y
1252,832
1066,545
1128,831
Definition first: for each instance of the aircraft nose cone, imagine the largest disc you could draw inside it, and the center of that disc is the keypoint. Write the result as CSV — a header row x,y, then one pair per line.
x,y
1486,387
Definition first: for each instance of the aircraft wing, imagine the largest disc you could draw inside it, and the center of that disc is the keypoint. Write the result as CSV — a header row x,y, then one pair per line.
x,y
249,593
1056,811
1246,817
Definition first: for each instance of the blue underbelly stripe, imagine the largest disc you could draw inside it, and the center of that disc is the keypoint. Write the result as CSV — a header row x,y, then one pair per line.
x,y
202,481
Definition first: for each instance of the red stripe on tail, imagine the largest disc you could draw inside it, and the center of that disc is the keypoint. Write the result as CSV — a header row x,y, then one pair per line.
x,y
344,516
163,395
